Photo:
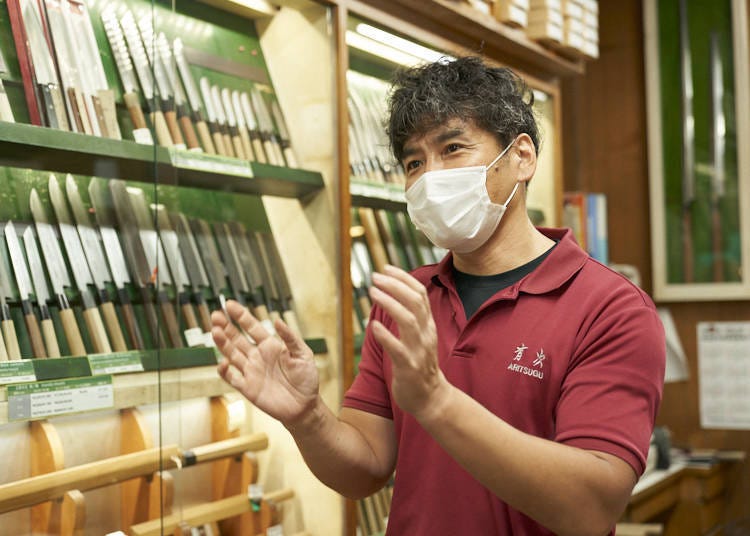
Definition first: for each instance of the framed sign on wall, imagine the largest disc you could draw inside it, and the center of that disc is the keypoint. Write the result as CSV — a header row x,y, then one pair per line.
x,y
698,104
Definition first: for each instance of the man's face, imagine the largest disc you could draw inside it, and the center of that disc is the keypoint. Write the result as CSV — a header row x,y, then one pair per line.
x,y
457,143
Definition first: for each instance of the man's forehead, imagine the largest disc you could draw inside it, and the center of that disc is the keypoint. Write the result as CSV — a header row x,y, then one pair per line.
x,y
450,128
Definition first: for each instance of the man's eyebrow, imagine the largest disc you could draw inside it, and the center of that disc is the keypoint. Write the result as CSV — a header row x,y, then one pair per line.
x,y
440,138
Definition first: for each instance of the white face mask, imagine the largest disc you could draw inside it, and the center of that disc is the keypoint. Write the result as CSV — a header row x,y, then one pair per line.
x,y
452,206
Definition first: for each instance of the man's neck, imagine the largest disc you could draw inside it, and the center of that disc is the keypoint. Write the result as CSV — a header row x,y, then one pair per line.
x,y
515,242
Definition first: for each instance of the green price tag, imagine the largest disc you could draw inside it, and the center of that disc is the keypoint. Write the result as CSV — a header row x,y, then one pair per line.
x,y
116,363
210,163
17,372
45,399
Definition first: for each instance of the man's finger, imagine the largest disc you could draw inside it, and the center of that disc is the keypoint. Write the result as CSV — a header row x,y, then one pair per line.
x,y
400,314
413,299
295,345
405,277
247,321
390,343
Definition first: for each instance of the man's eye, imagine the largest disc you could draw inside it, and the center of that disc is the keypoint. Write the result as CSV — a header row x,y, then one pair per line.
x,y
412,165
452,147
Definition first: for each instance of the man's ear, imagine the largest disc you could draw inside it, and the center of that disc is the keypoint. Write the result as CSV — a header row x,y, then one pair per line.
x,y
526,154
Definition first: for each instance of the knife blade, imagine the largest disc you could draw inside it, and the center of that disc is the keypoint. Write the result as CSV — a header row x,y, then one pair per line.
x,y
217,130
41,291
248,131
162,83
284,139
239,133
130,96
194,265
252,126
157,263
270,141
176,264
257,245
81,271
217,274
146,78
101,202
44,67
6,113
89,239
10,349
225,116
135,253
718,151
221,118
23,282
58,274
250,261
183,113
193,96
90,62
278,276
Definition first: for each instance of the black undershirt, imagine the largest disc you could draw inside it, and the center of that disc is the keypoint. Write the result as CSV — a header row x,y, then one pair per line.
x,y
474,290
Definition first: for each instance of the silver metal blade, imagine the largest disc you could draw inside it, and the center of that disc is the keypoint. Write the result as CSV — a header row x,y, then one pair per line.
x,y
269,281
261,111
44,67
187,77
90,45
165,54
53,258
138,54
101,202
131,240
23,281
237,109
193,262
152,246
208,100
248,259
279,119
171,246
218,105
226,100
157,67
252,122
41,290
71,241
88,235
216,271
231,258
119,50
281,279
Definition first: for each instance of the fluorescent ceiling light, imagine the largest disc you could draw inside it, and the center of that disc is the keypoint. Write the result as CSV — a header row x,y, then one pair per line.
x,y
403,45
365,44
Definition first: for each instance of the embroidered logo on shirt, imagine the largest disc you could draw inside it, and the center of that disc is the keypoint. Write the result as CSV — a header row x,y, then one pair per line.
x,y
534,370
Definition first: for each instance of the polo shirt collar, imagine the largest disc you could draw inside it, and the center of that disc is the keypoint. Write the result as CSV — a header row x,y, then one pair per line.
x,y
561,264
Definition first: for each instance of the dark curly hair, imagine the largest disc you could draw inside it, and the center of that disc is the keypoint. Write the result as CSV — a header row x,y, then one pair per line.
x,y
427,96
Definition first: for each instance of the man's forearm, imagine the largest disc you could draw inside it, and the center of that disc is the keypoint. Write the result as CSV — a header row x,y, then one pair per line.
x,y
545,480
338,454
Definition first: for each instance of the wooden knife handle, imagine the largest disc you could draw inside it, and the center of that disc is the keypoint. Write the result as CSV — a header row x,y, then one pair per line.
x,y
191,138
100,119
50,338
128,317
174,128
162,131
170,321
203,314
261,312
109,111
246,146
228,144
58,104
96,331
260,154
270,152
35,336
274,316
218,141
134,108
72,333
239,151
205,136
373,238
365,305
278,152
291,160
187,313
79,117
152,318
113,327
11,340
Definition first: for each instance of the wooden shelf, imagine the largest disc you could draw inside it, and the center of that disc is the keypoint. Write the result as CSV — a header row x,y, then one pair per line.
x,y
460,24
375,195
32,147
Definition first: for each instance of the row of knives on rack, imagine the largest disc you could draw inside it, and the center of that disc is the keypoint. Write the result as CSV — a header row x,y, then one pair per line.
x,y
130,254
66,86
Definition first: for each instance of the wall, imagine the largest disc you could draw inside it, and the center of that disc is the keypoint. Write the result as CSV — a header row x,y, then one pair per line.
x,y
605,149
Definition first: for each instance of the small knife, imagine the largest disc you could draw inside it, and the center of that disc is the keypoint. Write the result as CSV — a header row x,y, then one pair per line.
x,y
42,292
193,96
23,281
221,138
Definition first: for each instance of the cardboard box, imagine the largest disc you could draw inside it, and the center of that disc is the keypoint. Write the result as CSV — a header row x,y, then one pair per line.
x,y
511,14
546,15
545,33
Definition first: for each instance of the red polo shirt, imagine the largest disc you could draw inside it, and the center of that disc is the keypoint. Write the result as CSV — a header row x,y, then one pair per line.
x,y
573,352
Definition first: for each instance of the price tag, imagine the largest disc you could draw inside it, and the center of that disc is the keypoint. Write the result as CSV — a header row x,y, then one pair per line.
x,y
16,372
195,337
143,136
210,163
59,397
276,530
116,363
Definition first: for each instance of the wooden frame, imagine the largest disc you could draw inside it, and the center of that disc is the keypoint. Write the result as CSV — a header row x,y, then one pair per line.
x,y
691,282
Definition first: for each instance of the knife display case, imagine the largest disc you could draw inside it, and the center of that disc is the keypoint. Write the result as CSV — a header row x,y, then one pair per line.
x,y
698,118
229,123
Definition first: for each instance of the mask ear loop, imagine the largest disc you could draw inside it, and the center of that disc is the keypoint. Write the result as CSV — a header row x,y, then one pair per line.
x,y
502,154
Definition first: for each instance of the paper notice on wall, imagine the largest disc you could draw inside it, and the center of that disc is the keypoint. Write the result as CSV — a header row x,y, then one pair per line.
x,y
724,374
676,367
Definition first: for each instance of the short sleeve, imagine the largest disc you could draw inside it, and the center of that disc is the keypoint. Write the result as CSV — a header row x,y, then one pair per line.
x,y
613,387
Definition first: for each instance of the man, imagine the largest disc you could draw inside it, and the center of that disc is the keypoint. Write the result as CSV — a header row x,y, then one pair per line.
x,y
513,386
